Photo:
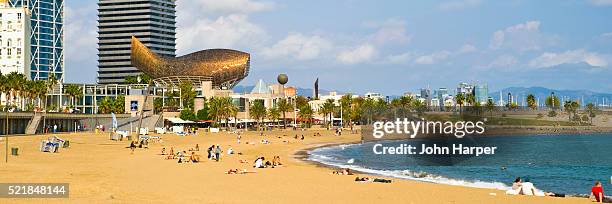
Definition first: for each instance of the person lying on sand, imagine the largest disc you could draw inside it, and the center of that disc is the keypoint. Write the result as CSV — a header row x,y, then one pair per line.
x,y
343,172
236,171
378,180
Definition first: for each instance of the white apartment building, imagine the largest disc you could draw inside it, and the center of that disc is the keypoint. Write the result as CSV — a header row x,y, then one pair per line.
x,y
14,39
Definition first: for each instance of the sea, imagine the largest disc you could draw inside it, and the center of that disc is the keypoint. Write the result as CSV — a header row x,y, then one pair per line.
x,y
567,164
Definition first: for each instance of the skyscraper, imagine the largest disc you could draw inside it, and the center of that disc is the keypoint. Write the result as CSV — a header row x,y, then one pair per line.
x,y
47,37
151,21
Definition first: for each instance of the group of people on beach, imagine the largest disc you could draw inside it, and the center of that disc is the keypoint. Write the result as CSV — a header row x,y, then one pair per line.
x,y
182,156
525,187
261,162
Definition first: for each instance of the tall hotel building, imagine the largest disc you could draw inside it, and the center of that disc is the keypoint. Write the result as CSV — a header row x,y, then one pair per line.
x,y
151,21
46,37
14,39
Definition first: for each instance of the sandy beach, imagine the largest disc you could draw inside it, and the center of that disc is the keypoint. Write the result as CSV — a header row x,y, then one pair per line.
x,y
100,170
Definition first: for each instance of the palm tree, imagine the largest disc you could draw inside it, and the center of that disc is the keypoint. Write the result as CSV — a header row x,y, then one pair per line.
x,y
490,106
15,82
300,102
284,106
306,113
74,91
273,114
105,105
257,111
346,103
460,100
591,111
531,102
187,94
406,102
4,88
328,109
470,99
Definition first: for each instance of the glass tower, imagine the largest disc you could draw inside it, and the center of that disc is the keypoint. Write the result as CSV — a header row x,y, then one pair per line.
x,y
47,37
151,21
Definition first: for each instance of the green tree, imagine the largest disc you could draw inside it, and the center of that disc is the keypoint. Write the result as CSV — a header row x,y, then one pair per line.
x,y
490,106
460,100
347,105
15,82
284,106
131,80
591,111
531,102
73,91
187,114
327,109
306,113
553,102
119,104
187,94
300,102
273,114
258,112
105,106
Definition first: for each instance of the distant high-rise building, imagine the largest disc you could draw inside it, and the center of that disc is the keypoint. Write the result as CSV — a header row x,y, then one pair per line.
x,y
151,21
14,39
481,93
47,37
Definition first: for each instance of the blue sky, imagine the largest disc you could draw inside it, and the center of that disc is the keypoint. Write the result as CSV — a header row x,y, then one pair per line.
x,y
388,46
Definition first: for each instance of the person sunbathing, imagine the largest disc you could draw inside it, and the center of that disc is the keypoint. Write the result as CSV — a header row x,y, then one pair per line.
x,y
276,161
259,163
194,157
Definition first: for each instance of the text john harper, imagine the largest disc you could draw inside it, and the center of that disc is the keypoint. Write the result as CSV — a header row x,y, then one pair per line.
x,y
456,149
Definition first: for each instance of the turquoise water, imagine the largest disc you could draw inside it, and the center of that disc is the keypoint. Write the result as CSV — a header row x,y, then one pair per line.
x,y
567,164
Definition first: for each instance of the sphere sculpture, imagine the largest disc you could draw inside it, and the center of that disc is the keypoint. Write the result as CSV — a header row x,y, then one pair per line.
x,y
282,79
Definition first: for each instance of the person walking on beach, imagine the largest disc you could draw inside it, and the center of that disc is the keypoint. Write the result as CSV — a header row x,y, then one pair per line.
x,y
217,153
209,151
238,137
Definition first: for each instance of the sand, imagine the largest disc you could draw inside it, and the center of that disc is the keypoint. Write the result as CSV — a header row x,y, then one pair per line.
x,y
103,171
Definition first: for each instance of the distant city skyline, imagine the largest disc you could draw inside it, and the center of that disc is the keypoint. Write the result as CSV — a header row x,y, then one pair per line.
x,y
390,47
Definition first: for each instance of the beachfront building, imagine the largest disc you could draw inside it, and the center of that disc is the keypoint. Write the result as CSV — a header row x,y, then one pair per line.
x,y
152,21
14,39
47,37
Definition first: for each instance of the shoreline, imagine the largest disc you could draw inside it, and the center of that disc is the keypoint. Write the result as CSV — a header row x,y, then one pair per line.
x,y
303,155
103,171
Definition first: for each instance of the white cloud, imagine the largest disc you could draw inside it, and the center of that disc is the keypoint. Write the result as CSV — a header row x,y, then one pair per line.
x,y
549,59
467,48
400,58
601,2
459,4
298,46
363,53
523,37
432,58
229,6
232,31
389,31
607,35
